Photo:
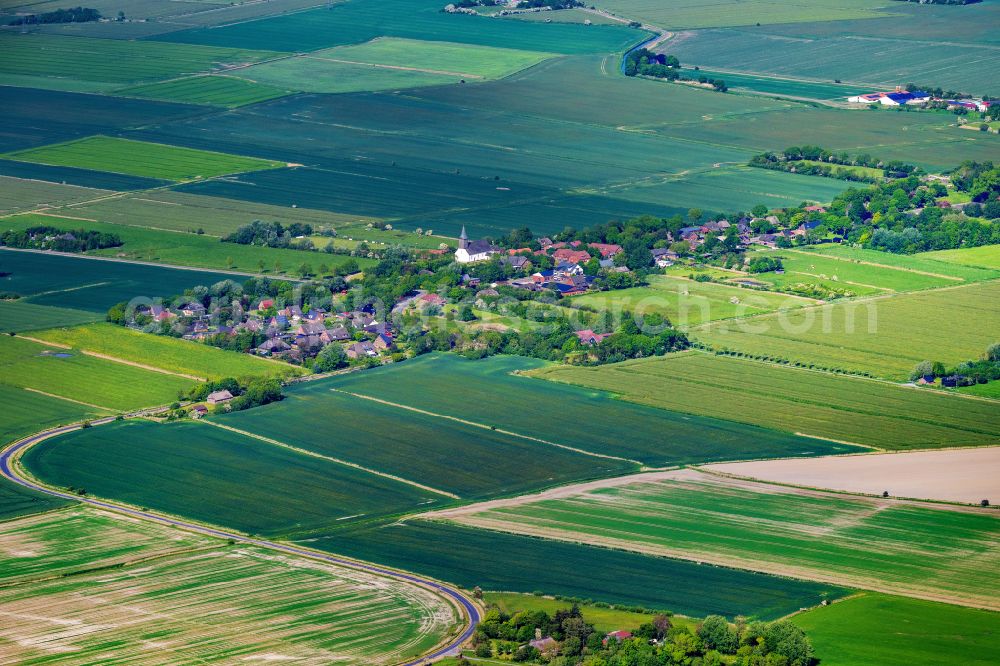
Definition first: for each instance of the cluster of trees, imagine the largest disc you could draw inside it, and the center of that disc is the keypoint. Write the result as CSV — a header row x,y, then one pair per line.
x,y
765,265
72,15
657,643
800,159
52,238
272,234
979,371
643,62
252,392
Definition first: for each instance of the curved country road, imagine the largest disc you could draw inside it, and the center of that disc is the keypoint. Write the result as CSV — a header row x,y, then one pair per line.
x,y
471,612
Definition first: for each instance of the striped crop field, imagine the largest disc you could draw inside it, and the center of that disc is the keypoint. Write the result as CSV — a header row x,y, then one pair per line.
x,y
886,336
141,158
918,550
227,91
138,593
872,413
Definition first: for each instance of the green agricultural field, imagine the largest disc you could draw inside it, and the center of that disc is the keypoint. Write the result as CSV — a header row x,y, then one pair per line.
x,y
896,631
141,158
440,453
18,194
227,91
884,336
356,233
487,392
603,618
356,22
93,284
143,591
689,303
695,14
238,481
76,377
20,316
784,87
177,211
883,545
960,264
82,64
484,62
166,353
29,412
857,277
987,256
317,74
858,410
194,250
17,501
499,561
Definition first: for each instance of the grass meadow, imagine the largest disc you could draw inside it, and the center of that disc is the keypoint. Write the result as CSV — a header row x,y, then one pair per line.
x,y
227,91
688,303
140,158
858,410
29,412
885,336
317,74
987,256
82,64
915,550
514,563
76,377
592,420
166,353
143,591
94,285
690,14
603,618
20,316
239,482
895,631
18,194
968,264
192,250
469,461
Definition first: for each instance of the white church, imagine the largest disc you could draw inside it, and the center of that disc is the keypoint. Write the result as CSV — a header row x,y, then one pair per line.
x,y
477,250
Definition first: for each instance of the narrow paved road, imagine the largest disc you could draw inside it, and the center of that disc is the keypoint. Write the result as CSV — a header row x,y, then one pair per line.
x,y
7,470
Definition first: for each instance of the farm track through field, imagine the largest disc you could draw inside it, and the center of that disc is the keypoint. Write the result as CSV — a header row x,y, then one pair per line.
x,y
488,427
60,397
338,461
872,263
8,469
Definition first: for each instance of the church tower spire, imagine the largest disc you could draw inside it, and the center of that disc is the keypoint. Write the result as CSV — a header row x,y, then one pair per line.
x,y
463,240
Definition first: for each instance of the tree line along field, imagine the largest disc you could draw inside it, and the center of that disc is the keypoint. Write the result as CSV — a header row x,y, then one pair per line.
x,y
93,285
896,631
356,22
144,159
510,562
885,336
794,88
923,551
83,64
191,249
688,303
870,413
145,593
99,383
163,352
487,392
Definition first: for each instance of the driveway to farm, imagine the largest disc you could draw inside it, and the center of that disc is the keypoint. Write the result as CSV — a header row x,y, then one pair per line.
x,y
8,470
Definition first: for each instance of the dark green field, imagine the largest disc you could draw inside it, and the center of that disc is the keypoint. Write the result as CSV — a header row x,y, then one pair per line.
x,y
469,461
355,22
485,392
93,285
213,475
506,562
16,501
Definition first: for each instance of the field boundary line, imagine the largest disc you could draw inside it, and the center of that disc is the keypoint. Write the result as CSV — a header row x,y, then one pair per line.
x,y
143,366
339,461
61,397
486,427
399,67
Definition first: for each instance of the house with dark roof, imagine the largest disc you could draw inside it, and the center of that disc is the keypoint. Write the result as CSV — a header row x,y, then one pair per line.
x,y
589,338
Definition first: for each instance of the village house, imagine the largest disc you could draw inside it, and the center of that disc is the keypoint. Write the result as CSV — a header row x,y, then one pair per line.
x,y
338,334
477,250
607,250
589,338
571,256
218,397
193,309
360,350
273,347
199,411
517,261
616,636
382,342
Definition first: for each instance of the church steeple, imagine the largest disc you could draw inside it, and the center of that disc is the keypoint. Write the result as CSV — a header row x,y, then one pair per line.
x,y
463,240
